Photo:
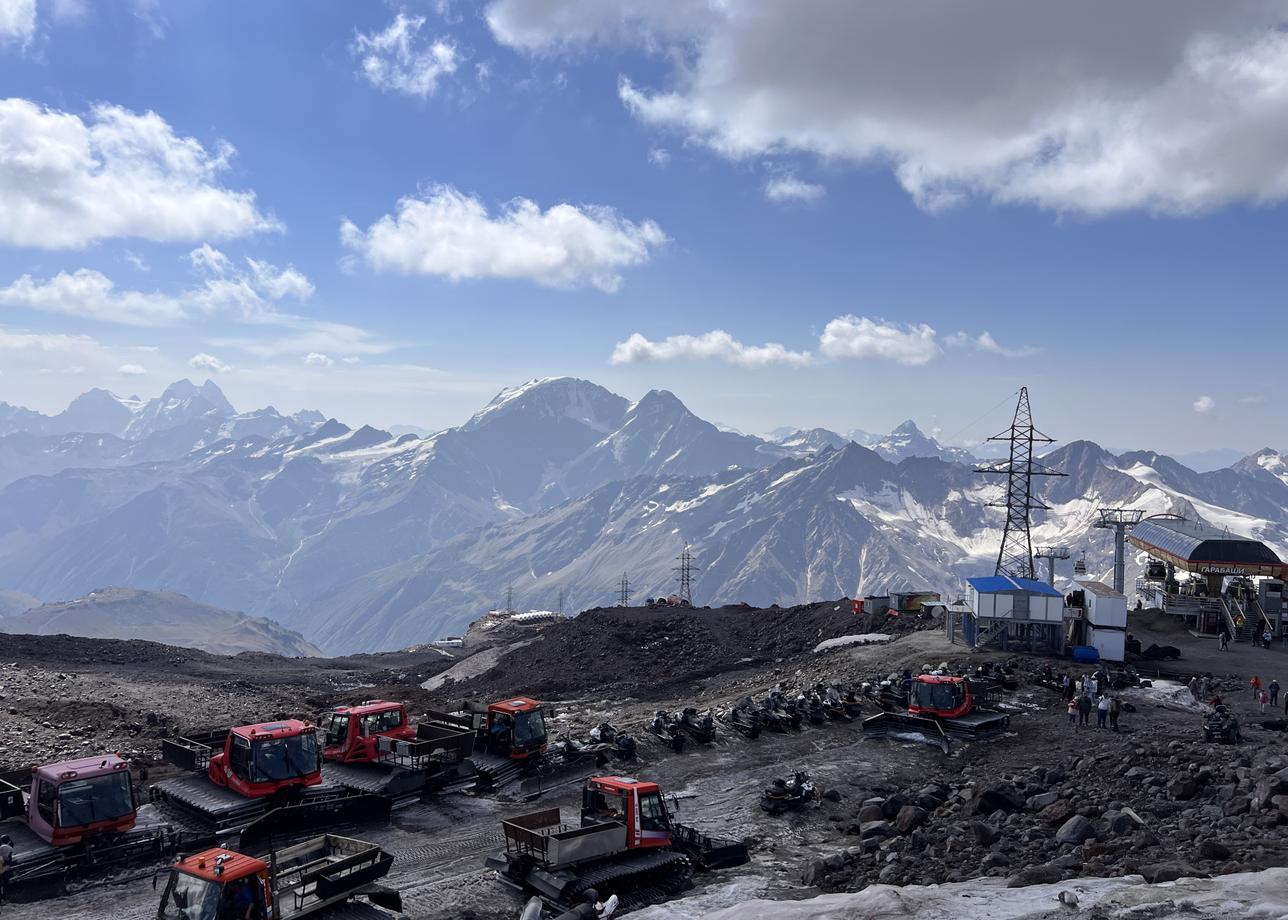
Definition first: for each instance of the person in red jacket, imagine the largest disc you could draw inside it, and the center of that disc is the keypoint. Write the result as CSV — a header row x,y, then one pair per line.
x,y
1255,684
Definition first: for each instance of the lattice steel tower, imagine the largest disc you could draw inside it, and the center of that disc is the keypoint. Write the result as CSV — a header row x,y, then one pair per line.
x,y
685,571
624,592
1015,557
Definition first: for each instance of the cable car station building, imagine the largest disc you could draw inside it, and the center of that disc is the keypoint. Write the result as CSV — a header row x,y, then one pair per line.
x,y
1234,581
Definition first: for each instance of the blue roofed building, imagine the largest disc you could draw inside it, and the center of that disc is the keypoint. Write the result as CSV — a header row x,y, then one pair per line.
x,y
1019,614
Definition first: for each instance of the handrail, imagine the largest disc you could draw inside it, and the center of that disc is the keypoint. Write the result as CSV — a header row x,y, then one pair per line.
x,y
1229,618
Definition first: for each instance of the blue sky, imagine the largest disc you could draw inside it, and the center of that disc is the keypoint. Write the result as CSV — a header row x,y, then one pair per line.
x,y
832,181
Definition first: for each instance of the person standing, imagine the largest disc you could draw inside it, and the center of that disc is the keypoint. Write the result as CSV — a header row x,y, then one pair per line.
x,y
6,860
1084,711
1102,711
1273,687
1115,710
1073,712
1225,639
1266,637
1263,699
1255,684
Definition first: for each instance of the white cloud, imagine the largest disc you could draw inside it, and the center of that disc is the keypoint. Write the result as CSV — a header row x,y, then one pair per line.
x,y
785,189
860,337
660,157
452,234
67,10
278,284
715,344
67,182
17,21
1204,404
307,336
132,370
205,362
92,295
1168,106
986,343
252,293
137,261
397,59
317,359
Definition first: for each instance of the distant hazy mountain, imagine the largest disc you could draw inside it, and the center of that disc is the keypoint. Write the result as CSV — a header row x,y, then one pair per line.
x,y
905,441
14,602
99,429
362,540
159,616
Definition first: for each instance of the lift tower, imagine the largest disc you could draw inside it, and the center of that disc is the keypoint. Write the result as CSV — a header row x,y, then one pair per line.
x,y
1015,558
1051,554
1119,520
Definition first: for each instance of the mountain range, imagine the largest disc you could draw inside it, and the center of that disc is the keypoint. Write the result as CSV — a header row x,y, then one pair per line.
x,y
361,540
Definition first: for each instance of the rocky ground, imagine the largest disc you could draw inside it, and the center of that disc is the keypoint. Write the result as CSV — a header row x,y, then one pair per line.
x,y
1043,803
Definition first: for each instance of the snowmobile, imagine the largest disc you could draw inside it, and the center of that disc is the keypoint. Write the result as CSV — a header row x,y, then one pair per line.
x,y
745,718
834,704
620,744
811,706
1221,725
785,795
784,708
668,730
853,704
701,728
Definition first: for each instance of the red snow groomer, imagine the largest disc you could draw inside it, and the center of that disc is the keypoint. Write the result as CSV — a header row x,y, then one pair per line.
x,y
256,779
373,747
940,707
79,815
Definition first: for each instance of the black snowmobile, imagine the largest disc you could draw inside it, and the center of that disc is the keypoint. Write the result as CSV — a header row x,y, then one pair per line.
x,y
834,704
620,744
701,728
786,795
1221,725
744,718
668,729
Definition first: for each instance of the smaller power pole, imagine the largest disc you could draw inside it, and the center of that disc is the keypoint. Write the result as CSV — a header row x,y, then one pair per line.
x,y
685,572
561,601
624,592
509,598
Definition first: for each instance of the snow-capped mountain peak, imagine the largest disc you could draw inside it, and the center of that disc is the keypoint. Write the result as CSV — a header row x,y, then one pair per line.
x,y
907,440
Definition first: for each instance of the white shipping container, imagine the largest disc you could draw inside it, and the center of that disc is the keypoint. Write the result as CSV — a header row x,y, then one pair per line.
x,y
1110,643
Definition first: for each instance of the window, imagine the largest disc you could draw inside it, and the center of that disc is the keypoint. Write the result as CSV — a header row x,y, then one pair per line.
x,y
97,798
189,898
530,729
336,727
239,757
602,806
45,799
653,816
391,720
276,760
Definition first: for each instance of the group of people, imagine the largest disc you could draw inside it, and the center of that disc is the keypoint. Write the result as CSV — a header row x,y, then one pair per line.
x,y
1092,692
1267,695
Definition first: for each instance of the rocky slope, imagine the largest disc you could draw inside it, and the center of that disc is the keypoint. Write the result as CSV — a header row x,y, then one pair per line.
x,y
158,616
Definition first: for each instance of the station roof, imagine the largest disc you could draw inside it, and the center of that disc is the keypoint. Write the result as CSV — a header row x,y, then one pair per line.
x,y
1193,546
1098,588
1005,584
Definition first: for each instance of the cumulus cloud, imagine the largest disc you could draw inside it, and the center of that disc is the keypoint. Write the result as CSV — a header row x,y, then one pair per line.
x,y
986,343
317,359
788,189
861,337
132,370
1204,404
716,344
251,293
92,295
17,21
399,59
660,157
303,337
66,182
1167,106
205,362
451,234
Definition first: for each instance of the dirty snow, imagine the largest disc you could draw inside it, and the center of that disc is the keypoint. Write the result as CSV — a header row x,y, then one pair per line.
x,y
1169,693
828,645
1248,895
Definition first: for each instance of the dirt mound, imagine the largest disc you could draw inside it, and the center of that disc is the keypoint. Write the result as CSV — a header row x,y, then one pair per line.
x,y
649,653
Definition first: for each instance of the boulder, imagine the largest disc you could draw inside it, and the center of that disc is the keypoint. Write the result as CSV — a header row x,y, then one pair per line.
x,y
869,812
875,829
1169,872
1183,788
985,833
910,818
1035,875
1056,814
1042,800
999,797
1075,831
1213,849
